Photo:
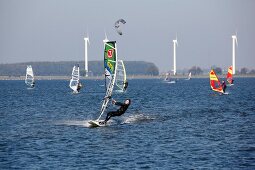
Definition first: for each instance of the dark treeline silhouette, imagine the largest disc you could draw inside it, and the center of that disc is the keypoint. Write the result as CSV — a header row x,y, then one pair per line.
x,y
195,70
242,71
64,68
245,70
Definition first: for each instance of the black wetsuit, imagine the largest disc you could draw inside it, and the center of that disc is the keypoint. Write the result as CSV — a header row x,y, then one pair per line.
x,y
224,87
119,112
125,86
79,87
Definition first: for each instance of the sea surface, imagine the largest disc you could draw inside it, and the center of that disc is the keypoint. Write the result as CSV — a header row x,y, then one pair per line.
x,y
167,126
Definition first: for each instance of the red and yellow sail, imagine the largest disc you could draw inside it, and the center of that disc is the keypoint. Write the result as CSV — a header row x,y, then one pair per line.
x,y
215,82
230,75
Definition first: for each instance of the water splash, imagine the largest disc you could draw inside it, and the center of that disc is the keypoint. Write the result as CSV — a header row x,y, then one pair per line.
x,y
84,123
138,118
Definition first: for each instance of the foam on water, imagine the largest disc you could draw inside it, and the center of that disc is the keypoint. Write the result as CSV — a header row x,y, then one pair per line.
x,y
138,118
74,123
171,82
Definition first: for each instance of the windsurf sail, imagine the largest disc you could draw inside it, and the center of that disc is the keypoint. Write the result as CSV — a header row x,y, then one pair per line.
x,y
167,77
215,82
121,77
189,76
110,67
75,80
30,76
230,75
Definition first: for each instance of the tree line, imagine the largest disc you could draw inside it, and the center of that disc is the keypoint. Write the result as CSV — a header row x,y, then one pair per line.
x,y
64,68
195,70
242,71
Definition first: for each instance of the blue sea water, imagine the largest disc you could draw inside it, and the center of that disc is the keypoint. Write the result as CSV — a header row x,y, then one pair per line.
x,y
168,126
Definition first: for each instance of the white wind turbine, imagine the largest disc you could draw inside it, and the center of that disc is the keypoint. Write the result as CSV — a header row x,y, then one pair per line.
x,y
105,39
234,42
86,39
175,43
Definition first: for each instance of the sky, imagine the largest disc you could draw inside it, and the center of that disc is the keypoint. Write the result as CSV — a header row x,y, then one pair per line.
x,y
54,30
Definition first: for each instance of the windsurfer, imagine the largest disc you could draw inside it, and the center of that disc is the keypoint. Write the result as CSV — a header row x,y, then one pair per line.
x,y
125,86
79,86
123,107
223,86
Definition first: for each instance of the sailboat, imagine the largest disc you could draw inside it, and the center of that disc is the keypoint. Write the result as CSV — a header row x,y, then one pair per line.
x,y
110,67
189,76
215,82
75,84
230,76
30,77
121,77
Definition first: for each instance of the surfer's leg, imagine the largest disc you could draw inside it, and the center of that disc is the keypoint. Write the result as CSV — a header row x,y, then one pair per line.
x,y
108,116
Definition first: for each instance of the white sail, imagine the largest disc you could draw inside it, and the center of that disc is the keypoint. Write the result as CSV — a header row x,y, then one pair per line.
x,y
167,77
110,66
189,76
29,76
121,77
74,82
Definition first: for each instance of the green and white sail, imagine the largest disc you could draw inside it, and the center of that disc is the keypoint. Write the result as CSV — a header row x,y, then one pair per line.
x,y
121,77
30,81
110,66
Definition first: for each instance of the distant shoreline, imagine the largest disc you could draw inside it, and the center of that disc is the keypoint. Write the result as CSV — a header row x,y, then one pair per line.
x,y
101,77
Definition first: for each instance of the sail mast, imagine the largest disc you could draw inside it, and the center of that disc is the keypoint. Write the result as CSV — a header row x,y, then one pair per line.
x,y
105,41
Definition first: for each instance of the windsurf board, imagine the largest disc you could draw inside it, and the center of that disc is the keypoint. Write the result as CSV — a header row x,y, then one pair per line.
x,y
95,123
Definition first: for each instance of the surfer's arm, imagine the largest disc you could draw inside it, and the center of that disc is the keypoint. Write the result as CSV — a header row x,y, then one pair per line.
x,y
118,104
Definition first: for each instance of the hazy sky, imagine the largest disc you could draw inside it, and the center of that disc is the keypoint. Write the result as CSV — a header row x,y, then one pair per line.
x,y
53,30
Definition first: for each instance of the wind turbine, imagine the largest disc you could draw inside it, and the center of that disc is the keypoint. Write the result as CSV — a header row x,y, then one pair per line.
x,y
105,39
86,39
234,42
175,43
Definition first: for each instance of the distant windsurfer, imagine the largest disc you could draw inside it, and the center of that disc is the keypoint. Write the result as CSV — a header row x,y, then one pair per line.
x,y
79,86
123,107
224,86
125,86
231,81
